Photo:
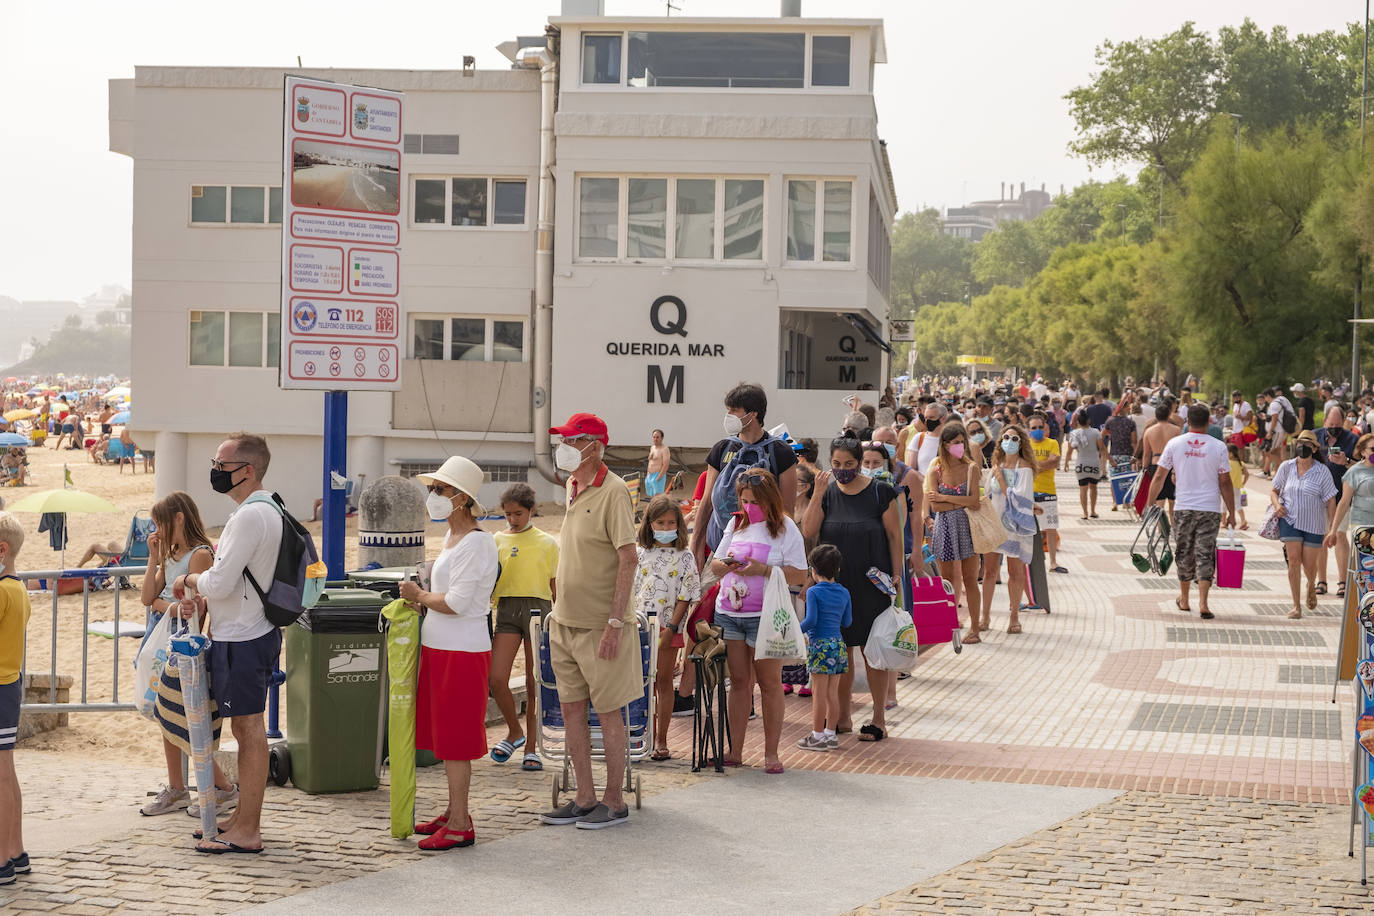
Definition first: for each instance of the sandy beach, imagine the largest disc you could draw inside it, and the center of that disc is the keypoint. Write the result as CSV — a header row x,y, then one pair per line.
x,y
124,736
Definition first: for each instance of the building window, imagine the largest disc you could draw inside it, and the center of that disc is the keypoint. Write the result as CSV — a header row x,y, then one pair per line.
x,y
646,230
238,205
467,201
737,60
831,234
879,246
468,338
505,473
600,59
687,219
598,214
238,339
830,60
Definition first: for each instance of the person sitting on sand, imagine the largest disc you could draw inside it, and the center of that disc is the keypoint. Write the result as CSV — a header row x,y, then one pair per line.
x,y
14,467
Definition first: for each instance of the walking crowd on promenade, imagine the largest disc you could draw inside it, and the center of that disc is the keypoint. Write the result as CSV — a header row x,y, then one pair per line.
x,y
905,489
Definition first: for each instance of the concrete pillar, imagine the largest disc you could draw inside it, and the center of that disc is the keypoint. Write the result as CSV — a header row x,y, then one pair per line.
x,y
391,523
170,464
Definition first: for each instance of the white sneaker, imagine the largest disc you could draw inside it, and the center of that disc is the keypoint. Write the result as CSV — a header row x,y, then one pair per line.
x,y
812,743
224,800
167,801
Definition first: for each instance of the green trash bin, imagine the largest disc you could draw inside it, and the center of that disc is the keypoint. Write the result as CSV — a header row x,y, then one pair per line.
x,y
336,693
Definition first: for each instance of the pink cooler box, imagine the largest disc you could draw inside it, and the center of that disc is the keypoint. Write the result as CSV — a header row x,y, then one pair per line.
x,y
933,610
1230,563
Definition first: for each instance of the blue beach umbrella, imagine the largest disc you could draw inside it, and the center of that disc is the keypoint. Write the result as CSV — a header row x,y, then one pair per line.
x,y
8,439
123,417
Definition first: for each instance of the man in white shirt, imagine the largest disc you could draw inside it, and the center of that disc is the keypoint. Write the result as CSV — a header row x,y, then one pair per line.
x,y
1202,482
246,645
922,447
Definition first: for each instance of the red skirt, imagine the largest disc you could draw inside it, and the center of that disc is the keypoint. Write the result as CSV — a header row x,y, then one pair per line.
x,y
451,704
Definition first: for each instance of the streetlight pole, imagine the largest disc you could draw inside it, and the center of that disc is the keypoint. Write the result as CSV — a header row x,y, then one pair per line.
x,y
1359,258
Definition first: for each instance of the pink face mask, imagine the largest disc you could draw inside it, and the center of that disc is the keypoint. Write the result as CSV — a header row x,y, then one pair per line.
x,y
753,513
957,450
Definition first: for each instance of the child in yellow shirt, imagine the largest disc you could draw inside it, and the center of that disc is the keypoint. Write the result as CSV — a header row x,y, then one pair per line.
x,y
14,618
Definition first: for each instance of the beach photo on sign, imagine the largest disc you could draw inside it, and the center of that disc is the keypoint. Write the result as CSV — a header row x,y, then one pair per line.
x,y
337,176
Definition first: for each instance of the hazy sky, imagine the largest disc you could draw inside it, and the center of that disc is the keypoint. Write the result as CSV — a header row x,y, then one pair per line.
x,y
972,94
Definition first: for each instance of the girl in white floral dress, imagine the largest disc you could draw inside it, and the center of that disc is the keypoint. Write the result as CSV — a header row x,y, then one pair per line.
x,y
666,585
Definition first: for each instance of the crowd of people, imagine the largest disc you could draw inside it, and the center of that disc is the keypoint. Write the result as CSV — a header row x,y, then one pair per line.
x,y
900,493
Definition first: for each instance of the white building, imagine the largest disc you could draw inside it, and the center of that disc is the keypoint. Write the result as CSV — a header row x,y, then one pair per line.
x,y
720,208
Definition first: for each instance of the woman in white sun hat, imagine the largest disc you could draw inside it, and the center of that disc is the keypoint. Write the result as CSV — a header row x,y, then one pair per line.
x,y
455,646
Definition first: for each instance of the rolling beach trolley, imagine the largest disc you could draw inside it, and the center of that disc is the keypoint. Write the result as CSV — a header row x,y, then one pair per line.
x,y
550,740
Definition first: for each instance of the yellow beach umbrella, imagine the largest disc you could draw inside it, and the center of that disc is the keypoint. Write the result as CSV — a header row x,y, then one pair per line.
x,y
22,413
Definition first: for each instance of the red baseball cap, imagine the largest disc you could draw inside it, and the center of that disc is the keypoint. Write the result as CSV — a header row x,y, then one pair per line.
x,y
583,424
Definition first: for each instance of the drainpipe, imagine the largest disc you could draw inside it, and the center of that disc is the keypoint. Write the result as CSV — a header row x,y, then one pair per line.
x,y
543,265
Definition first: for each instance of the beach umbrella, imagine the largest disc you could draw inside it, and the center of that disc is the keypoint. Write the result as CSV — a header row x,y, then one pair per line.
x,y
122,392
63,501
8,439
22,413
121,417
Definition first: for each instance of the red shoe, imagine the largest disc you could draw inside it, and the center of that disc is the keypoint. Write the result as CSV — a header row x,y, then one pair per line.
x,y
449,839
432,827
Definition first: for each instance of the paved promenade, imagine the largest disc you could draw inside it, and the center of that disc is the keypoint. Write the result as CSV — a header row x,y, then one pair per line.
x,y
1117,756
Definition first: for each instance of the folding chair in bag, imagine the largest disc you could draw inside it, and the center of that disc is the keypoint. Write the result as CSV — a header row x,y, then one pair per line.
x,y
1158,557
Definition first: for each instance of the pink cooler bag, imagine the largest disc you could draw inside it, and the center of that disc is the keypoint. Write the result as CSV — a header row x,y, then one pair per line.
x,y
1230,561
933,610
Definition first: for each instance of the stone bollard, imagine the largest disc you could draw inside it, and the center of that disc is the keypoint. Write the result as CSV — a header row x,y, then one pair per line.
x,y
391,523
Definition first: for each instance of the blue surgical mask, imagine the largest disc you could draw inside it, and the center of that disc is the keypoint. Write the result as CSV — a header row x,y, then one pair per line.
x,y
665,537
891,449
1037,434
1011,447
870,472
978,438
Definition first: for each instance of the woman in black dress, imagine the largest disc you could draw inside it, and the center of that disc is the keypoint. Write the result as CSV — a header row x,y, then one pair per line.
x,y
859,516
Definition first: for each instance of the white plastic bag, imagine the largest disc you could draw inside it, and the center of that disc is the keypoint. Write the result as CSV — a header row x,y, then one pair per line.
x,y
892,641
780,635
148,667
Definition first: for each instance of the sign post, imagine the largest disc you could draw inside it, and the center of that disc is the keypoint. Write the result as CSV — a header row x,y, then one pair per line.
x,y
341,262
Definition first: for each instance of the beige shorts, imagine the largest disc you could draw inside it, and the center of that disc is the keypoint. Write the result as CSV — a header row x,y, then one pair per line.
x,y
581,675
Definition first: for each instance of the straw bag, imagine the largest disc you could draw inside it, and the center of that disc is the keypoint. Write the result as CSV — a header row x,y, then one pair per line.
x,y
986,527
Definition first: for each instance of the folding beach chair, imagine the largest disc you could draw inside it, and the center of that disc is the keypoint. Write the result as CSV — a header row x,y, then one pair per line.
x,y
135,552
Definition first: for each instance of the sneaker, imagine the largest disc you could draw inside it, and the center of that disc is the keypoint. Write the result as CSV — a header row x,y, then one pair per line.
x,y
7,872
812,743
167,801
683,706
224,800
601,816
21,864
568,814
832,742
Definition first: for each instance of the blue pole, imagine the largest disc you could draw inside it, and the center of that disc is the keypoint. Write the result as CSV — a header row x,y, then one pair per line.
x,y
335,500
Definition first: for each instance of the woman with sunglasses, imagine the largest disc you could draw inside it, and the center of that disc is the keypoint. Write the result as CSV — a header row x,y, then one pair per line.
x,y
1012,490
859,515
984,445
757,538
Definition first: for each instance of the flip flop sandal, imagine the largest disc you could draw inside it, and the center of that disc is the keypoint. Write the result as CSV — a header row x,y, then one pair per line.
x,y
228,848
661,754
1321,587
1340,590
1014,628
971,640
532,763
870,733
1178,603
501,753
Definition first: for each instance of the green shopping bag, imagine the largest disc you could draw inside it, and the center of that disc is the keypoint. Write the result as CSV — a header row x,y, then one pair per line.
x,y
403,663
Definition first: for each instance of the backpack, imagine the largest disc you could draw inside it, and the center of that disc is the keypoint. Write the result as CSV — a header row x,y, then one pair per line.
x,y
737,458
1052,424
298,578
1287,419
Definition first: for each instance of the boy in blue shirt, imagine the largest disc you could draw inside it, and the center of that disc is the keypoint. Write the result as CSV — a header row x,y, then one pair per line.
x,y
827,610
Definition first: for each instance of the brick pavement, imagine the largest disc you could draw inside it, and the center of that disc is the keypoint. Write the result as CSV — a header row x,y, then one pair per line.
x,y
1223,733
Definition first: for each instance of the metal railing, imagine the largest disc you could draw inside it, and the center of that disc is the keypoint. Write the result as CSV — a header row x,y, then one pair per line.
x,y
53,577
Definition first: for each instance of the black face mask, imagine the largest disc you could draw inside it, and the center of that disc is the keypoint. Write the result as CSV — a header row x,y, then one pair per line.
x,y
1305,451
221,481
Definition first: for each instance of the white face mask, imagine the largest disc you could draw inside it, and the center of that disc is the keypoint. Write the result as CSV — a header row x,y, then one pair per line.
x,y
733,425
567,457
439,507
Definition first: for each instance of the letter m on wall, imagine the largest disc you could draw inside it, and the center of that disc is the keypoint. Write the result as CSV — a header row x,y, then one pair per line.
x,y
669,390
847,374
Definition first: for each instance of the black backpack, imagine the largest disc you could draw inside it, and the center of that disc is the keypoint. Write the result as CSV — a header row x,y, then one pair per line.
x,y
1287,419
293,588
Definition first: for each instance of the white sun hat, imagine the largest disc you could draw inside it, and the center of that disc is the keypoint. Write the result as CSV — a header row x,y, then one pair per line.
x,y
460,473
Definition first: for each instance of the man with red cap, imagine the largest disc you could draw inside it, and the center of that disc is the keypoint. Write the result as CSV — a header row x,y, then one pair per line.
x,y
593,642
